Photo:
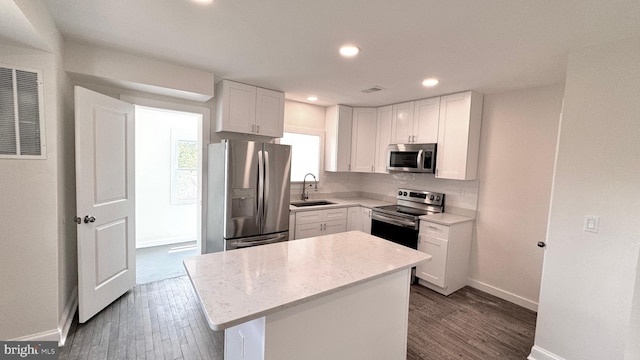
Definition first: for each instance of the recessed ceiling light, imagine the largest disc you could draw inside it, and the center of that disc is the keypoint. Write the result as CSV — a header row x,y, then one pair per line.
x,y
312,98
202,1
349,50
430,82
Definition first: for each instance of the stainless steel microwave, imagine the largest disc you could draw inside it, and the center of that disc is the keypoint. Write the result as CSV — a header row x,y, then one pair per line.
x,y
420,158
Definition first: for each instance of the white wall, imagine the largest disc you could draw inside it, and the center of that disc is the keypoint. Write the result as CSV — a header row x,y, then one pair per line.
x,y
29,218
138,73
517,152
588,280
158,220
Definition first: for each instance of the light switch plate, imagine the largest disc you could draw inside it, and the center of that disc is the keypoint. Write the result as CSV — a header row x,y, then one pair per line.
x,y
591,223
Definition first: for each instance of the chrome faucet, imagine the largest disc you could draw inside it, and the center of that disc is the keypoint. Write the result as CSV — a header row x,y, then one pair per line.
x,y
305,195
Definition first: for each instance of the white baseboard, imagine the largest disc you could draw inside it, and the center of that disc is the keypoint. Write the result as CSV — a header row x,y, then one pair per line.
x,y
502,294
165,241
67,317
50,335
59,334
538,353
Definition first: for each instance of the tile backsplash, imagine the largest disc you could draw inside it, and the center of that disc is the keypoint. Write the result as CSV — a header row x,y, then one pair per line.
x,y
461,196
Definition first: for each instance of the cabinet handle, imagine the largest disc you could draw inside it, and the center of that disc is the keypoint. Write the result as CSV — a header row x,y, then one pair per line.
x,y
413,138
349,167
434,228
253,128
409,140
258,129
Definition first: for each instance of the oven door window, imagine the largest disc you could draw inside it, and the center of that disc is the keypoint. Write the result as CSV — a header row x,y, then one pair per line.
x,y
404,159
398,234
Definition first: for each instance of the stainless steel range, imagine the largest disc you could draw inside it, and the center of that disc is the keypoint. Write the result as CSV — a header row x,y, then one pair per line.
x,y
400,223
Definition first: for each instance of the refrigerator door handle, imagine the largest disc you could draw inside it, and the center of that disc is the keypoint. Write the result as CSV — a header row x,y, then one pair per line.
x,y
267,166
260,212
242,244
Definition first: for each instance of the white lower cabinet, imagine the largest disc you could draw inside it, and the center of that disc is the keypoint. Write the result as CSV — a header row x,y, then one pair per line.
x,y
320,222
359,218
450,248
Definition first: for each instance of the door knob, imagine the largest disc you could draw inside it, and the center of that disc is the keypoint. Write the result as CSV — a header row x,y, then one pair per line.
x,y
541,244
89,219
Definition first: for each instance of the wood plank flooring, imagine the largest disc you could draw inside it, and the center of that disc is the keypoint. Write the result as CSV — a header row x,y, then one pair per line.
x,y
468,324
162,320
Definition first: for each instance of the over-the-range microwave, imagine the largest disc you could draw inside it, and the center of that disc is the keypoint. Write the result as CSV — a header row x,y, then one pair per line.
x,y
420,158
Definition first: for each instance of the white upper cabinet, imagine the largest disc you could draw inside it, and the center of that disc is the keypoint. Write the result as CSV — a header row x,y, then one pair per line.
x,y
425,121
363,140
383,137
269,112
402,123
459,136
248,109
338,127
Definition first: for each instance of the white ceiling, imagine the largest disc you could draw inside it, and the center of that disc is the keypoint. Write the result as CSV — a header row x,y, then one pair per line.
x,y
292,45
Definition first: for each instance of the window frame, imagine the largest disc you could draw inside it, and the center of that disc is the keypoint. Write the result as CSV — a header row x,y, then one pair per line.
x,y
309,131
175,169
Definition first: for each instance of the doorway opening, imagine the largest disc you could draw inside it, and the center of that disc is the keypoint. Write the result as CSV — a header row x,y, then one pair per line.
x,y
168,188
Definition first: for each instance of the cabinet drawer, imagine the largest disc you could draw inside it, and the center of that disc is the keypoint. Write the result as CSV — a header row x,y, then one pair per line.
x,y
335,214
306,217
434,230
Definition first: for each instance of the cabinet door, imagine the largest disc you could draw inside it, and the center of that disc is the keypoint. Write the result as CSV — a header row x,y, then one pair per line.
x,y
354,219
269,113
338,123
363,140
309,230
365,220
434,270
237,107
335,226
458,137
383,137
292,225
402,123
425,121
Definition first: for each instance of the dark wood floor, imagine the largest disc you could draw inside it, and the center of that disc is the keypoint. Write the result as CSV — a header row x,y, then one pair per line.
x,y
162,320
468,324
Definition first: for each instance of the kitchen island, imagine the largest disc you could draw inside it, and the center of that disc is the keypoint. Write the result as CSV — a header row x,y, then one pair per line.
x,y
340,296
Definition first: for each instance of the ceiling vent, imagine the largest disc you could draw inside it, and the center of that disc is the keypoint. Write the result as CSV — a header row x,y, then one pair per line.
x,y
373,89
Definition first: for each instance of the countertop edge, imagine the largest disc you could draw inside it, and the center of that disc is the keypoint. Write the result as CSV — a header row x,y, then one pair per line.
x,y
446,219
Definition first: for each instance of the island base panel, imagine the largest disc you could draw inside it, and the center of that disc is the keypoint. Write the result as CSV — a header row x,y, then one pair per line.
x,y
367,321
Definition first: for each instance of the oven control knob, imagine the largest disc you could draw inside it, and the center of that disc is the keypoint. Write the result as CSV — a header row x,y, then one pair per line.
x,y
431,197
399,192
405,193
437,198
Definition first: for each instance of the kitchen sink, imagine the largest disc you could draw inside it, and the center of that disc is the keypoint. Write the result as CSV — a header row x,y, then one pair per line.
x,y
311,203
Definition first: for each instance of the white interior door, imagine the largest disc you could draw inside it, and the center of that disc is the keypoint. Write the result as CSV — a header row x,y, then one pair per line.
x,y
105,200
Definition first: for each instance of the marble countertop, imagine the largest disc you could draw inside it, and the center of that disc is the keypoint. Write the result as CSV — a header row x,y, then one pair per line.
x,y
241,285
445,219
339,202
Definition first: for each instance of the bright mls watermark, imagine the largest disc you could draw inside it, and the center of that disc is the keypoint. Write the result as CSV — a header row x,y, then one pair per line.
x,y
28,350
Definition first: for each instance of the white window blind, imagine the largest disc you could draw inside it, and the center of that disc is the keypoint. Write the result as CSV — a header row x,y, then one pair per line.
x,y
21,120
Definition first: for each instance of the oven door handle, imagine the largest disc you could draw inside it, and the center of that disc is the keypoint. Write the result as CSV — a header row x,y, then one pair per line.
x,y
394,221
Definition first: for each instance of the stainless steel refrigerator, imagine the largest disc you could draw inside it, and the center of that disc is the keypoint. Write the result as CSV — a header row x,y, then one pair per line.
x,y
248,194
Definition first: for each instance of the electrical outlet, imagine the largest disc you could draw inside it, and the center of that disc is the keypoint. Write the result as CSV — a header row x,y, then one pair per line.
x,y
591,223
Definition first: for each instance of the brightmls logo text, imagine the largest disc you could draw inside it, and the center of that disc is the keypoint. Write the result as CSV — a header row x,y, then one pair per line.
x,y
29,350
